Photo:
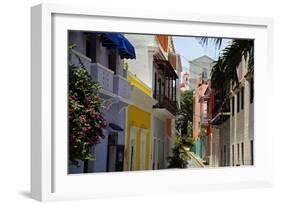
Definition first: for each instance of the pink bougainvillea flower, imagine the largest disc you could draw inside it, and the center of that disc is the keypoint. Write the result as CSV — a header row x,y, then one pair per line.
x,y
91,141
82,118
85,130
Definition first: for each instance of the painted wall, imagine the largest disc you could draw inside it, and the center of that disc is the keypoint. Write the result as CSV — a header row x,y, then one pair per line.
x,y
79,39
142,66
198,107
114,114
224,149
242,123
141,120
159,132
164,42
197,66
139,84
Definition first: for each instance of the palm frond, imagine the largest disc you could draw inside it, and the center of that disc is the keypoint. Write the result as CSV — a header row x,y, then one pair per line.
x,y
231,57
204,41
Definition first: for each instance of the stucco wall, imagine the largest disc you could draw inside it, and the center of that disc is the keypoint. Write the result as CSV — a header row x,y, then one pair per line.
x,y
197,66
159,131
79,39
242,124
112,115
215,148
139,119
142,66
224,131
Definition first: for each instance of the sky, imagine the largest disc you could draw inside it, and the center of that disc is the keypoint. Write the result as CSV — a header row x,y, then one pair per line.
x,y
189,48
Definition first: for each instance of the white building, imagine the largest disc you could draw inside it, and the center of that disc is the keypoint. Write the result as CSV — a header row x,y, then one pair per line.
x,y
233,127
242,118
197,67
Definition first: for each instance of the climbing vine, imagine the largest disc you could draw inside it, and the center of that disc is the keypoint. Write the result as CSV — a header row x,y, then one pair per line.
x,y
84,112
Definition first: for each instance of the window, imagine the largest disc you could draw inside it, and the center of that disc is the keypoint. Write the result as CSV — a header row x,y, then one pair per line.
x,y
252,152
167,85
233,155
251,90
238,155
155,84
238,102
112,60
233,106
204,75
221,160
88,48
242,150
242,98
111,151
91,49
224,151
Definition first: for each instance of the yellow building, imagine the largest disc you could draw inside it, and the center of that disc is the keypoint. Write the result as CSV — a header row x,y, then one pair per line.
x,y
138,138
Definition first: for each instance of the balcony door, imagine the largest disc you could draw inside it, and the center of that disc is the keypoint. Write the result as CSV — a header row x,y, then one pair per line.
x,y
112,60
111,151
91,50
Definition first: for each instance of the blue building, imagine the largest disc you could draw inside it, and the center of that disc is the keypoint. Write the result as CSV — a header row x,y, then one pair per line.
x,y
103,56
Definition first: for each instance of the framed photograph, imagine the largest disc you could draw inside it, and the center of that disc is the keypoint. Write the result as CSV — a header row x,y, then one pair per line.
x,y
138,102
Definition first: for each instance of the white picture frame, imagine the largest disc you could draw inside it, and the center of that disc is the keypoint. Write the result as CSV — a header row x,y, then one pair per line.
x,y
49,178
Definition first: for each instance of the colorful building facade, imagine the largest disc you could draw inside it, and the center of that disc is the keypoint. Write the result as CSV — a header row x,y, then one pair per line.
x,y
230,120
103,54
138,139
155,80
141,93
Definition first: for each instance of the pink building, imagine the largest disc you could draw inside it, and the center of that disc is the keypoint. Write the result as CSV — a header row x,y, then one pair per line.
x,y
199,107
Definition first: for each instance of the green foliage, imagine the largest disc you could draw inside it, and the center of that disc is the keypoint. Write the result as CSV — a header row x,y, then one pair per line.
x,y
126,66
203,132
84,116
179,158
188,141
185,114
225,68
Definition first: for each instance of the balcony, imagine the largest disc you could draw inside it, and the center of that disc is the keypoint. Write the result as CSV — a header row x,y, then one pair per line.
x,y
103,76
221,111
121,86
165,103
111,84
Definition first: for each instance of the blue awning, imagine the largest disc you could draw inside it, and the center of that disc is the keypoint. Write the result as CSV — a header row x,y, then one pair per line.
x,y
120,42
115,127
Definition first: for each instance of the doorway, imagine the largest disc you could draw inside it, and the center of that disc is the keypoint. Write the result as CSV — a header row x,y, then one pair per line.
x,y
155,165
132,155
143,148
111,151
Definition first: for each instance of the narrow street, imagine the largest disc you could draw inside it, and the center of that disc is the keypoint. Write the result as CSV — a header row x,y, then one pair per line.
x,y
193,161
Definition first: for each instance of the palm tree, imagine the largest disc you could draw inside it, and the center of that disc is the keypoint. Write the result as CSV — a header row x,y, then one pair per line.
x,y
225,68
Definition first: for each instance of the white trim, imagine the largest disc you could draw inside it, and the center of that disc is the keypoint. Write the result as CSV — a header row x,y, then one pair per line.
x,y
140,99
81,55
136,77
